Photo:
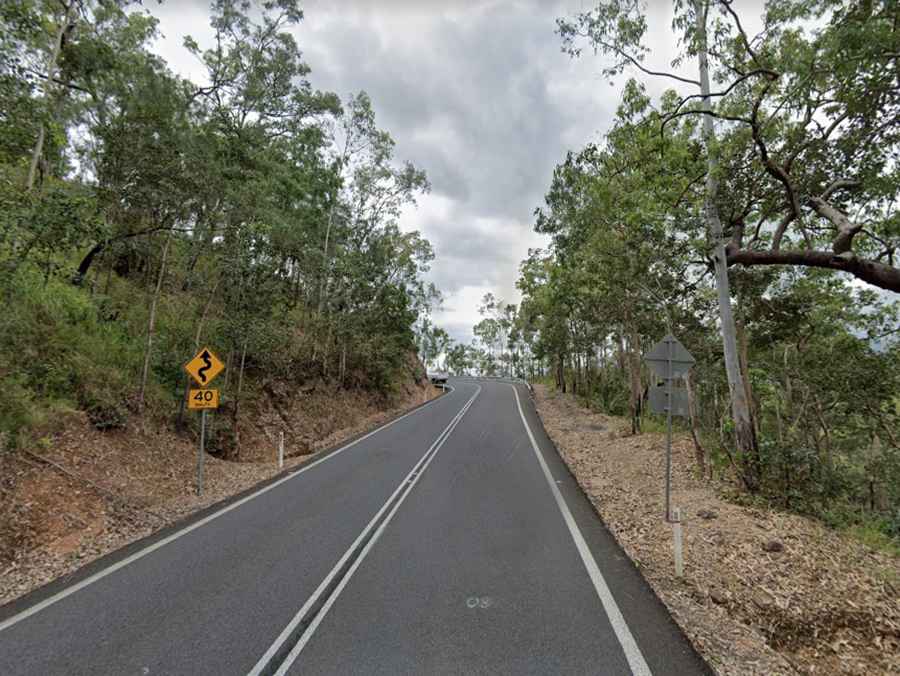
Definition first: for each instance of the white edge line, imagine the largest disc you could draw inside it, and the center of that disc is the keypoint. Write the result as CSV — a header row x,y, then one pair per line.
x,y
263,661
310,630
633,654
99,575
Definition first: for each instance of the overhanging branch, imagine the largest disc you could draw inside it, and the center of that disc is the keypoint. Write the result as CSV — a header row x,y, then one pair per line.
x,y
877,274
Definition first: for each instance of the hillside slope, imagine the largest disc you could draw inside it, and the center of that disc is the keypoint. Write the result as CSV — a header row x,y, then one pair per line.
x,y
77,492
87,466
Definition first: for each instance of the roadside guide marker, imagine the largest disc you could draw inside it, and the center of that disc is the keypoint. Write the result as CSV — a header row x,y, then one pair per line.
x,y
203,368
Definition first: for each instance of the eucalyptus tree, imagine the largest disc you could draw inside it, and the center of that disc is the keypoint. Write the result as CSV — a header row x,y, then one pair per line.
x,y
56,61
616,28
263,206
435,343
459,359
373,188
612,210
548,303
815,106
487,331
494,330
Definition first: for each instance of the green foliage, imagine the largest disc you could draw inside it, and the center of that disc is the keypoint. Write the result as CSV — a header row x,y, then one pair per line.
x,y
806,155
60,352
255,214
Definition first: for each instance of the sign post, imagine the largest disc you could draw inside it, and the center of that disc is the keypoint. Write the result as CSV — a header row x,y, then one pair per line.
x,y
201,452
203,368
669,359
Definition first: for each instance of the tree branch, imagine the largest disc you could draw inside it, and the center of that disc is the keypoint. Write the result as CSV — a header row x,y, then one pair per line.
x,y
876,274
637,64
727,5
843,243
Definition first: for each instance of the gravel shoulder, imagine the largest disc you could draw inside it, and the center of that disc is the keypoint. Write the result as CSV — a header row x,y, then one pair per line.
x,y
764,592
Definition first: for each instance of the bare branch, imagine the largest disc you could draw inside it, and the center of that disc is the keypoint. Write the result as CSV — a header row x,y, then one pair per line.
x,y
637,64
56,80
780,230
727,5
847,230
839,184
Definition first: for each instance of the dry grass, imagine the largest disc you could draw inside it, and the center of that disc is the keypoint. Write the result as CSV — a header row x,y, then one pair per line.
x,y
819,603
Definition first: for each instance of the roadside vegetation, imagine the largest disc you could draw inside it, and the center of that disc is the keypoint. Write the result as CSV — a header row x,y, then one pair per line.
x,y
762,591
762,234
143,216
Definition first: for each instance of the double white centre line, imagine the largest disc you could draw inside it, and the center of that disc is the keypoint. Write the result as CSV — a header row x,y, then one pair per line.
x,y
291,641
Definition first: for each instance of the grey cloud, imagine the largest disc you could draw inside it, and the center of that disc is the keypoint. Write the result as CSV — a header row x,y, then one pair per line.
x,y
473,90
476,93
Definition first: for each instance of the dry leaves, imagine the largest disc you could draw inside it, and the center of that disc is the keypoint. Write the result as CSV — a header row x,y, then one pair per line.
x,y
764,592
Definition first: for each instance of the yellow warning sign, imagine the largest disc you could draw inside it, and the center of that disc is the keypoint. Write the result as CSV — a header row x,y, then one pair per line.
x,y
204,367
203,399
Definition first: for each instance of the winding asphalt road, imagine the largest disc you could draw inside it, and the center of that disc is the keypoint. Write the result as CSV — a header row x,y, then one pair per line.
x,y
451,541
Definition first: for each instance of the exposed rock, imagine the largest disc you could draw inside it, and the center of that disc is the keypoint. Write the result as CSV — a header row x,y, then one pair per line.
x,y
761,598
773,546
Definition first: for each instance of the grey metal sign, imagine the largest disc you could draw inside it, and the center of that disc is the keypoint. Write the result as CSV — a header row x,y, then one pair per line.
x,y
669,348
670,360
659,400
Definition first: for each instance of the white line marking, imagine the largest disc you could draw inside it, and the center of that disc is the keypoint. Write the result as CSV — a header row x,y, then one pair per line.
x,y
68,591
317,620
633,654
406,484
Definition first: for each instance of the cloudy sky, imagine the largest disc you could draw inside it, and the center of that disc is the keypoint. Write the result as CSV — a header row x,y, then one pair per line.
x,y
477,93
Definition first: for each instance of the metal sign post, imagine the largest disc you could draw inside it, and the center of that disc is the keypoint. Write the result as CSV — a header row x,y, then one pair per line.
x,y
668,431
203,368
201,451
669,360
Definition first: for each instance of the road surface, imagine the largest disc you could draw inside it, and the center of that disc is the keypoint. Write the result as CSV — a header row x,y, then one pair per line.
x,y
451,541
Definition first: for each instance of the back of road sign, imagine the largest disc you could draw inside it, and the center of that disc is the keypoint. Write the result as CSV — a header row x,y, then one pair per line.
x,y
658,356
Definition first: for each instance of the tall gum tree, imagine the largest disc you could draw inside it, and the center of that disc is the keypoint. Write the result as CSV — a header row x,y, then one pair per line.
x,y
812,109
616,29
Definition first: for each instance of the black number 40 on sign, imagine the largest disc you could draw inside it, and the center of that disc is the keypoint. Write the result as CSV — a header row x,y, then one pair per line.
x,y
206,398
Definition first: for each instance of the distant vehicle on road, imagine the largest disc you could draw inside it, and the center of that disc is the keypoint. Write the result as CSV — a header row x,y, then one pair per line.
x,y
438,377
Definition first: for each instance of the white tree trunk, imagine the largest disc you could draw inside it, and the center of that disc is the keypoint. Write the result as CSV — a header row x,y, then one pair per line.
x,y
151,322
740,409
48,94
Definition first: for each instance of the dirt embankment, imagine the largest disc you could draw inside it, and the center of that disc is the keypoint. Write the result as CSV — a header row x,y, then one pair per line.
x,y
764,592
79,493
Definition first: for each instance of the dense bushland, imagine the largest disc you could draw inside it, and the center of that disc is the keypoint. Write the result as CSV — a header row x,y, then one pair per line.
x,y
766,242
143,215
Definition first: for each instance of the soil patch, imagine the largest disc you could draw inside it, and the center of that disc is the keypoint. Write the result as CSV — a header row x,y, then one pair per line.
x,y
81,493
